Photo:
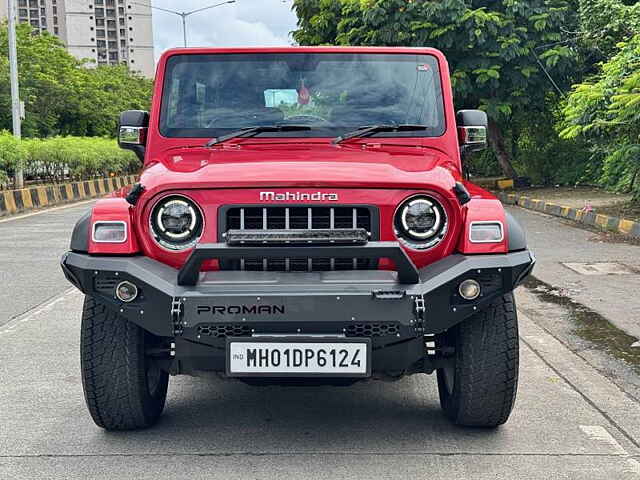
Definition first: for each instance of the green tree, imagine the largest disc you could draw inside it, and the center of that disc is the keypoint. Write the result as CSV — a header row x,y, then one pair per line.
x,y
605,111
498,50
603,24
46,80
103,93
62,95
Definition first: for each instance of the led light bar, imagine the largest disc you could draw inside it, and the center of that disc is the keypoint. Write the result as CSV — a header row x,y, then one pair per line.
x,y
339,236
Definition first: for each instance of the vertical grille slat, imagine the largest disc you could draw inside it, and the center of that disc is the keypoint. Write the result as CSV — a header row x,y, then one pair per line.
x,y
265,263
354,214
280,217
242,228
332,223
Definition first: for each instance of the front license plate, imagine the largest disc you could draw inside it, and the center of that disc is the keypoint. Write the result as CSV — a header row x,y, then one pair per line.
x,y
306,357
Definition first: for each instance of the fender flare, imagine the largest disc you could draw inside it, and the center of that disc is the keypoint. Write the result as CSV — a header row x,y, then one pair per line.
x,y
517,237
80,235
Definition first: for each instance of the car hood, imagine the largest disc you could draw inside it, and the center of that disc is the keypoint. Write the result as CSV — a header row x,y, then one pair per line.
x,y
286,165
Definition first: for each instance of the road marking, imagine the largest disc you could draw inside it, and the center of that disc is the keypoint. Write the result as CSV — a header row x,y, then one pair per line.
x,y
602,435
12,324
46,210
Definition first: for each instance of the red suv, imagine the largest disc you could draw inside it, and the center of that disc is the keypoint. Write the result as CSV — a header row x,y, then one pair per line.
x,y
302,216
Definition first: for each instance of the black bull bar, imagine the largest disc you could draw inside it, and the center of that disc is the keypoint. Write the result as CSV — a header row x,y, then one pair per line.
x,y
171,301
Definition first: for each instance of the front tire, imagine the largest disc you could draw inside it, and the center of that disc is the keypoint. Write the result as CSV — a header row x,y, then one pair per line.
x,y
124,388
479,388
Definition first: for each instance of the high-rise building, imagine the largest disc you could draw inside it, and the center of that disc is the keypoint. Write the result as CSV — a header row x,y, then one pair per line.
x,y
108,32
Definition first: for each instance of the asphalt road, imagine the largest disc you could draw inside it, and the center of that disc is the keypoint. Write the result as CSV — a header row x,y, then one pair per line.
x,y
29,255
558,242
570,421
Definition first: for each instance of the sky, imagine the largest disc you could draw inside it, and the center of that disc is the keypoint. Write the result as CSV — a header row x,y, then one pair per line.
x,y
244,23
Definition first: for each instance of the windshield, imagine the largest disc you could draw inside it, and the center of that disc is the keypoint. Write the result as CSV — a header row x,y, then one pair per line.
x,y
207,96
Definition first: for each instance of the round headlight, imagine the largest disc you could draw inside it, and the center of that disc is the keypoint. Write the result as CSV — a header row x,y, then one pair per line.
x,y
176,222
421,222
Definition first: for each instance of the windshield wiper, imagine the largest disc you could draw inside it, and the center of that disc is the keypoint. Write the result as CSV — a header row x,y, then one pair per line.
x,y
367,130
255,130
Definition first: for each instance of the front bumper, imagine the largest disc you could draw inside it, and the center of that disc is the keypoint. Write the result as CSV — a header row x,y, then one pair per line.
x,y
200,312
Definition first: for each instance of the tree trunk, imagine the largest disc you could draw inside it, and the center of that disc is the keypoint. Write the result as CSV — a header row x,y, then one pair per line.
x,y
496,140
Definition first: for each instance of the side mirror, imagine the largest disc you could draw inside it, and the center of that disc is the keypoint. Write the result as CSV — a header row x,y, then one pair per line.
x,y
132,131
472,130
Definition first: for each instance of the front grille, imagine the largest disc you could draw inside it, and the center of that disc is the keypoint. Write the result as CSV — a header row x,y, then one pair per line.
x,y
372,329
380,329
224,330
106,285
490,282
299,218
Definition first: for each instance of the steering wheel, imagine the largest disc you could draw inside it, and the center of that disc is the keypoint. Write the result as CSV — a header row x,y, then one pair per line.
x,y
307,119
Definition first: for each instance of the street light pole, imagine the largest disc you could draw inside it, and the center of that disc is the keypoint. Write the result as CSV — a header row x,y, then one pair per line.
x,y
15,88
184,15
184,29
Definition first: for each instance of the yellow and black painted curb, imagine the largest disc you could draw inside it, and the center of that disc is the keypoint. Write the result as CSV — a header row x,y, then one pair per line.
x,y
494,183
593,219
27,199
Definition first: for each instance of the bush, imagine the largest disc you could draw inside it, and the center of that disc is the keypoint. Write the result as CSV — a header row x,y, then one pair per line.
x,y
12,154
59,158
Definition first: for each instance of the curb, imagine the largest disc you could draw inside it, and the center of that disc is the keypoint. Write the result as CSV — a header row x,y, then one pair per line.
x,y
27,199
593,219
494,183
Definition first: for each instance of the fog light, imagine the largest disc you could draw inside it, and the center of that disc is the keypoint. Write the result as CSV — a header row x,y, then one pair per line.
x,y
126,291
469,289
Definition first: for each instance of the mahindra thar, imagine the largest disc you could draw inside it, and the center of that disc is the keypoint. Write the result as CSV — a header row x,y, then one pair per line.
x,y
302,217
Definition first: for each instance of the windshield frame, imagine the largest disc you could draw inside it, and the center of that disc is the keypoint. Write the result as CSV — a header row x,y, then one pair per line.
x,y
317,131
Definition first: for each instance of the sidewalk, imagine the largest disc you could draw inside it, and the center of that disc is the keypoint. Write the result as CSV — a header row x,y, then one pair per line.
x,y
577,197
580,266
594,207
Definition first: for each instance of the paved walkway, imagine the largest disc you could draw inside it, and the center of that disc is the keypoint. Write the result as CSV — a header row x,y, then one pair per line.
x,y
576,197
